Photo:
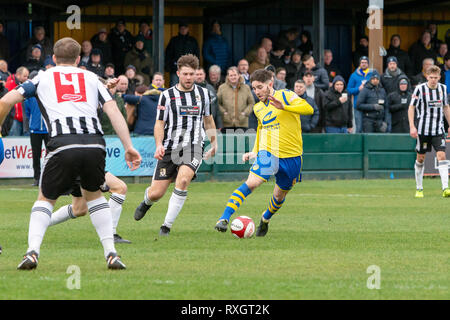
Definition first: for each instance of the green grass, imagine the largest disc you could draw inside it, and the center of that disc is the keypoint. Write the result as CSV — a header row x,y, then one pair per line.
x,y
319,246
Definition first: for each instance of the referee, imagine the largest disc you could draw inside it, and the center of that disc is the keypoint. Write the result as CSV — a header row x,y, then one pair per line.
x,y
429,102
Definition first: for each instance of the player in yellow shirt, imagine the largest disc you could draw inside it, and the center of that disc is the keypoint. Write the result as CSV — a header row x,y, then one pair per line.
x,y
278,148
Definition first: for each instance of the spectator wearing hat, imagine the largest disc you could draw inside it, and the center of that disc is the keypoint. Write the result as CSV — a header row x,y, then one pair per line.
x,y
398,102
390,76
86,49
328,64
39,38
402,56
362,50
320,74
35,62
121,42
216,50
261,61
317,94
95,63
140,59
49,63
100,41
109,71
178,46
339,117
372,102
356,84
4,43
147,34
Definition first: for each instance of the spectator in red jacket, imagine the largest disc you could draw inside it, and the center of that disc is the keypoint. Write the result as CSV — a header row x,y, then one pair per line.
x,y
13,81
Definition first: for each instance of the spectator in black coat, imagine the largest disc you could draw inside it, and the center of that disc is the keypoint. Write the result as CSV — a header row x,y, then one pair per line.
x,y
293,69
372,103
276,56
40,38
288,40
362,50
339,108
421,50
403,61
435,42
121,42
35,61
422,77
330,66
317,94
390,76
306,45
308,122
4,43
320,74
178,46
95,63
442,51
398,102
86,49
100,41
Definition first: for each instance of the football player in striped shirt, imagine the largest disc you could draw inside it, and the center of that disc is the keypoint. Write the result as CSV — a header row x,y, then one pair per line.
x,y
430,104
278,148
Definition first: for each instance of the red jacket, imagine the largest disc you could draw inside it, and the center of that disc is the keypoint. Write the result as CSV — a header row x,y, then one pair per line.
x,y
11,84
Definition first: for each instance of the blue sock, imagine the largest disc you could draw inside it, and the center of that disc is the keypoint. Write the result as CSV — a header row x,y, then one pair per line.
x,y
235,201
274,206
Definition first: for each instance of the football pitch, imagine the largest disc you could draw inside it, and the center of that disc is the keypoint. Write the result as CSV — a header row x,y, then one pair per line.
x,y
348,239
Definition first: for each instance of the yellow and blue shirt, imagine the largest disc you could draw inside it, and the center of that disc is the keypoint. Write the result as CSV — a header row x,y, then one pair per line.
x,y
279,131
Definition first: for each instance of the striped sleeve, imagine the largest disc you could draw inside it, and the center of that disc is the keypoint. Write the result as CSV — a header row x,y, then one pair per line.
x,y
207,107
103,93
444,92
163,107
29,87
416,96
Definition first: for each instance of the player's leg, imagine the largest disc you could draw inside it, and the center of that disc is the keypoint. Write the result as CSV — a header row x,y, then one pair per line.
x,y
164,173
443,165
39,221
237,198
118,190
275,203
422,147
77,208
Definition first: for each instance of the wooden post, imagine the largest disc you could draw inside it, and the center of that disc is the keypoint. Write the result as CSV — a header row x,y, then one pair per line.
x,y
375,26
158,35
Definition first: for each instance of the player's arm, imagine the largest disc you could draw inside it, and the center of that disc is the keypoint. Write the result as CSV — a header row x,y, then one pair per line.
x,y
162,114
210,128
447,116
132,156
415,98
7,102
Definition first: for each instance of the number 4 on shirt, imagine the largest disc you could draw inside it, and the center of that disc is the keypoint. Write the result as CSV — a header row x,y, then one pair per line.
x,y
70,87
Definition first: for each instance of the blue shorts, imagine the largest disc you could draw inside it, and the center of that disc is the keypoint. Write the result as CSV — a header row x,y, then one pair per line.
x,y
287,171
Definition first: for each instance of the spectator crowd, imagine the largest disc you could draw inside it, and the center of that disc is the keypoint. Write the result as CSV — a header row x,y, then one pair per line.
x,y
368,101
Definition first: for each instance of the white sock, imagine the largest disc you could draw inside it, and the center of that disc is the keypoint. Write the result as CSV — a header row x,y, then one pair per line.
x,y
443,172
115,203
62,214
39,221
147,199
419,168
175,204
101,218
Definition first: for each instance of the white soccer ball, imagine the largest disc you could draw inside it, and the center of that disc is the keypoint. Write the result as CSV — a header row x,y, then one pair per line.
x,y
242,227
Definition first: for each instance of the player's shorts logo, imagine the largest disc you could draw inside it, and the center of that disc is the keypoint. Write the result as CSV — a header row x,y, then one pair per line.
x,y
162,172
195,162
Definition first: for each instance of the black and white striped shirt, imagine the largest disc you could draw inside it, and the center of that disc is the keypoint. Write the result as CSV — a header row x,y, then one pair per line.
x,y
68,98
183,115
429,104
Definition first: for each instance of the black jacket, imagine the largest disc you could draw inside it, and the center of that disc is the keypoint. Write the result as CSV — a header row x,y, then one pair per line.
x,y
417,53
389,80
178,46
121,43
338,114
404,63
332,71
105,47
398,102
368,98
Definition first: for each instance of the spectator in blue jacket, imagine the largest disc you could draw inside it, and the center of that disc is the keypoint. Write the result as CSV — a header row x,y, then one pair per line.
x,y
308,122
446,71
142,108
355,84
38,134
216,49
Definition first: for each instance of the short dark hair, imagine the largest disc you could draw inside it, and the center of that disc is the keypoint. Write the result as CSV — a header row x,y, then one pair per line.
x,y
157,73
188,60
261,75
306,57
308,73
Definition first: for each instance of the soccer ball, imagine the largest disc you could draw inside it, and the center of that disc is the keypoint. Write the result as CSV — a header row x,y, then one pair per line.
x,y
242,227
